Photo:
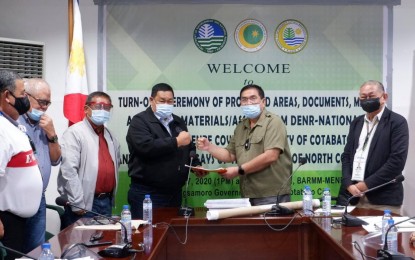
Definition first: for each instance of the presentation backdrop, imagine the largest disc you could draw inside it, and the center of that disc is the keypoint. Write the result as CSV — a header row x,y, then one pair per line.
x,y
310,61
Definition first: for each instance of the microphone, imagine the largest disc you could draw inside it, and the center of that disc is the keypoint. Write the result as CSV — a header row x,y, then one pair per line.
x,y
281,210
351,221
384,252
185,210
16,252
111,251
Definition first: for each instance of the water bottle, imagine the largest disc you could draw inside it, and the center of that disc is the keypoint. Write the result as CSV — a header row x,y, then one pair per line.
x,y
392,236
326,224
386,216
46,254
307,201
326,202
148,238
126,220
148,209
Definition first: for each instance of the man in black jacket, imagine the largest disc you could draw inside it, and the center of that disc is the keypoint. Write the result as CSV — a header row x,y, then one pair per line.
x,y
375,152
159,146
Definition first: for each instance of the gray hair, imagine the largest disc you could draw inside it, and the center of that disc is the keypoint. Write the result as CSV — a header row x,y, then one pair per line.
x,y
8,80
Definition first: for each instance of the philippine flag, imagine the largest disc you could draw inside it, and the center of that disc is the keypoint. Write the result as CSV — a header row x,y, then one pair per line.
x,y
76,90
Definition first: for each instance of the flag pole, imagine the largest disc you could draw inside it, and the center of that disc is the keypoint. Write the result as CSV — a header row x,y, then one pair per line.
x,y
70,24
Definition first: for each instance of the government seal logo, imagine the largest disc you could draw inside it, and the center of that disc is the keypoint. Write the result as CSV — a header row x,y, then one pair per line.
x,y
210,36
291,36
250,35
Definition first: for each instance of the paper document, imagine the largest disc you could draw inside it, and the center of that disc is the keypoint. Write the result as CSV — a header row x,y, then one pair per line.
x,y
135,224
375,224
199,168
336,211
227,203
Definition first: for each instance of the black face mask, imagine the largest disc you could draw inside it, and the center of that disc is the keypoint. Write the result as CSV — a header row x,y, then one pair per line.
x,y
370,105
21,104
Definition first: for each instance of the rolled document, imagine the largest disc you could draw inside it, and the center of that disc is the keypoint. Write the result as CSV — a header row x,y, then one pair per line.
x,y
226,213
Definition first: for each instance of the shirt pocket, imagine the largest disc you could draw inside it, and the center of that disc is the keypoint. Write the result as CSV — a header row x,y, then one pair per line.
x,y
257,144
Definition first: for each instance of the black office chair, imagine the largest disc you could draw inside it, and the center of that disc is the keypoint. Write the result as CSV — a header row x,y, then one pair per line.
x,y
59,211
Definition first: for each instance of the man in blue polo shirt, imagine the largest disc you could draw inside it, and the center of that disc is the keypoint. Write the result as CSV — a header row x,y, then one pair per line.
x,y
39,126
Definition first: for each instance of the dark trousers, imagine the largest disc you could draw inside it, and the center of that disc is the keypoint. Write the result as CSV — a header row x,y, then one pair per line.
x,y
14,233
137,193
102,206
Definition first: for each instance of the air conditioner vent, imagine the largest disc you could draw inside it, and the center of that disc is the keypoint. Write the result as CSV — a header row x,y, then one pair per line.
x,y
24,57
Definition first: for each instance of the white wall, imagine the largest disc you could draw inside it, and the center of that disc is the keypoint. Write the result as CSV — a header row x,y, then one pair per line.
x,y
403,87
46,21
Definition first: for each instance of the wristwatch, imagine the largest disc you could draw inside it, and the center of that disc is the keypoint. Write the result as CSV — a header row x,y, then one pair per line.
x,y
241,171
54,139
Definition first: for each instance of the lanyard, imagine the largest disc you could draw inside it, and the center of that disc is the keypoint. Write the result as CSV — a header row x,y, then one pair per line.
x,y
369,133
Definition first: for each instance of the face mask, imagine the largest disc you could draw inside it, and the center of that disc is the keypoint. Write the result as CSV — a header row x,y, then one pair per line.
x,y
21,104
100,117
251,111
370,105
35,114
164,110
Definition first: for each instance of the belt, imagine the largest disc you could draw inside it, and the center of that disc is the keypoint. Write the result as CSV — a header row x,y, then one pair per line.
x,y
103,195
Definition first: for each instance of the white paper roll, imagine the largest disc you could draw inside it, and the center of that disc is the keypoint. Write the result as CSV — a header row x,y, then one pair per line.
x,y
226,213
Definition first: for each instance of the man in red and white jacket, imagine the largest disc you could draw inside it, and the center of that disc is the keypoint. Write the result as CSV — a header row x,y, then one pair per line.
x,y
20,178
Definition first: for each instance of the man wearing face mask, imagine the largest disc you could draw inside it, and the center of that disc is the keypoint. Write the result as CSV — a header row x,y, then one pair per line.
x,y
88,175
375,152
260,148
159,146
20,178
39,126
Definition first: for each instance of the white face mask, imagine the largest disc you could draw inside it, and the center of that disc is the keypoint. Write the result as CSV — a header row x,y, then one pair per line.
x,y
164,110
251,111
100,117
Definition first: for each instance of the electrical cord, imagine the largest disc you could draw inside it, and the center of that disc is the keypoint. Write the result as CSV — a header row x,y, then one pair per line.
x,y
174,231
278,229
359,249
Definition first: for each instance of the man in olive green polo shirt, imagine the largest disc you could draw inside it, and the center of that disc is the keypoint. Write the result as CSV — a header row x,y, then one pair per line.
x,y
260,148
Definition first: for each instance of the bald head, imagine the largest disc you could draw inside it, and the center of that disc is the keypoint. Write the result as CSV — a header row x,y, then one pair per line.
x,y
39,93
379,86
36,86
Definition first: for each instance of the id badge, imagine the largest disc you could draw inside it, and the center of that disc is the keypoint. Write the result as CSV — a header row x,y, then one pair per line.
x,y
359,165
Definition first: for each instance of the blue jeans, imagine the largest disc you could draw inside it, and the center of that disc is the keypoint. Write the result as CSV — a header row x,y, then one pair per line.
x,y
137,193
36,227
101,206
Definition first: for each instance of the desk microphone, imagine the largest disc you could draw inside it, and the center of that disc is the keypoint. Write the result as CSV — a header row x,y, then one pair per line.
x,y
111,251
16,252
351,221
384,253
185,210
281,210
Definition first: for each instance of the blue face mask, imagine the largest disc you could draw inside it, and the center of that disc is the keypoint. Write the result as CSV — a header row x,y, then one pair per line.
x,y
251,111
164,110
100,117
35,114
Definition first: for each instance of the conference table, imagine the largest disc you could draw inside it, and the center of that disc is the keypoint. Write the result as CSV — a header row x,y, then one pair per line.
x,y
245,237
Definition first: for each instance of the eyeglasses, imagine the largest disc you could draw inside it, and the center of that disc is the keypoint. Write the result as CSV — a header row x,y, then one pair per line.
x,y
368,97
41,102
169,102
100,106
253,99
247,144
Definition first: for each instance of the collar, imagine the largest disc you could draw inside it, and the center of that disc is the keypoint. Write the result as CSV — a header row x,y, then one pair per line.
x,y
9,118
259,122
377,117
30,121
98,129
164,120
